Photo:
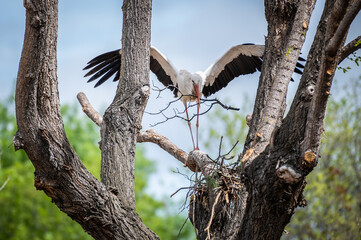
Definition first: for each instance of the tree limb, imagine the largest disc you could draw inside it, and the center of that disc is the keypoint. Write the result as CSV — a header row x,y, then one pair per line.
x,y
343,26
58,170
122,119
350,48
164,143
89,110
302,128
196,160
195,163
279,62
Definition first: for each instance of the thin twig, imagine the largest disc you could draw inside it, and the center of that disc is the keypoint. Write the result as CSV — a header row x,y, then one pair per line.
x,y
182,188
212,214
178,113
224,155
182,227
220,146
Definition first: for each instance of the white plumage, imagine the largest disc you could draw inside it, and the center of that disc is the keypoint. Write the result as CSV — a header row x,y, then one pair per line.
x,y
238,60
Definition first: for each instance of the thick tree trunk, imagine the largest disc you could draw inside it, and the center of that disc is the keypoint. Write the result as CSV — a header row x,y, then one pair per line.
x,y
122,120
58,170
258,201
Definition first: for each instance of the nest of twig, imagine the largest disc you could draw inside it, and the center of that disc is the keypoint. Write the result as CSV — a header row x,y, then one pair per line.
x,y
226,182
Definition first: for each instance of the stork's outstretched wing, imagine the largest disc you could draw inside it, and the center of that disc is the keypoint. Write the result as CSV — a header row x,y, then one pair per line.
x,y
239,60
164,70
106,65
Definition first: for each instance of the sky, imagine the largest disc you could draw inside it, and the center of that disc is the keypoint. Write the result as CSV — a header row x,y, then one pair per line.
x,y
192,34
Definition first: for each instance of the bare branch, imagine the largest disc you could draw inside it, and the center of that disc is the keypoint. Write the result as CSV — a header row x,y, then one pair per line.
x,y
201,161
212,214
163,109
182,188
163,142
89,110
343,27
351,47
177,112
196,160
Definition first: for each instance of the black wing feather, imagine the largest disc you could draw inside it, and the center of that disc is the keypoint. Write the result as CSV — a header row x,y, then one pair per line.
x,y
113,69
241,65
165,79
107,64
104,66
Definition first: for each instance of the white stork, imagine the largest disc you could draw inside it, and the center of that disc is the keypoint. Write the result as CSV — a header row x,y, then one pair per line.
x,y
239,60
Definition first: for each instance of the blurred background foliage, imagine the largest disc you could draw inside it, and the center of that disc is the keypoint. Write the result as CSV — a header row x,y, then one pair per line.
x,y
333,191
29,214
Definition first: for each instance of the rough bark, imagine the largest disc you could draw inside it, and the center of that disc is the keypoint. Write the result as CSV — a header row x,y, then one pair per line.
x,y
279,152
260,207
255,201
58,170
122,119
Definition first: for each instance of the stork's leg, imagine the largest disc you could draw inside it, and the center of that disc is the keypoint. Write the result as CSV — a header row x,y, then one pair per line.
x,y
189,124
196,88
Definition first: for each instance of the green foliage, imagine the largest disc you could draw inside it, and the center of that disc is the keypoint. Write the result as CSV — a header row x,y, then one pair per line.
x,y
7,131
353,58
28,214
158,215
211,182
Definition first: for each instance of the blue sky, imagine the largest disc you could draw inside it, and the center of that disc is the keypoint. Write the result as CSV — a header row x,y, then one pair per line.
x,y
192,34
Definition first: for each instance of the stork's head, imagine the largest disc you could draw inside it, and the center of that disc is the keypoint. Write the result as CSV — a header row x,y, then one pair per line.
x,y
199,78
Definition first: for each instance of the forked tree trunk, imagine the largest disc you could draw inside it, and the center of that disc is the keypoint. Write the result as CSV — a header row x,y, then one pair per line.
x,y
280,152
254,201
105,210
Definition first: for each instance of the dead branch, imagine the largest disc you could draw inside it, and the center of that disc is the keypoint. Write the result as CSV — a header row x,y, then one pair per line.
x,y
150,135
89,110
163,109
163,142
196,160
212,214
177,113
201,161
